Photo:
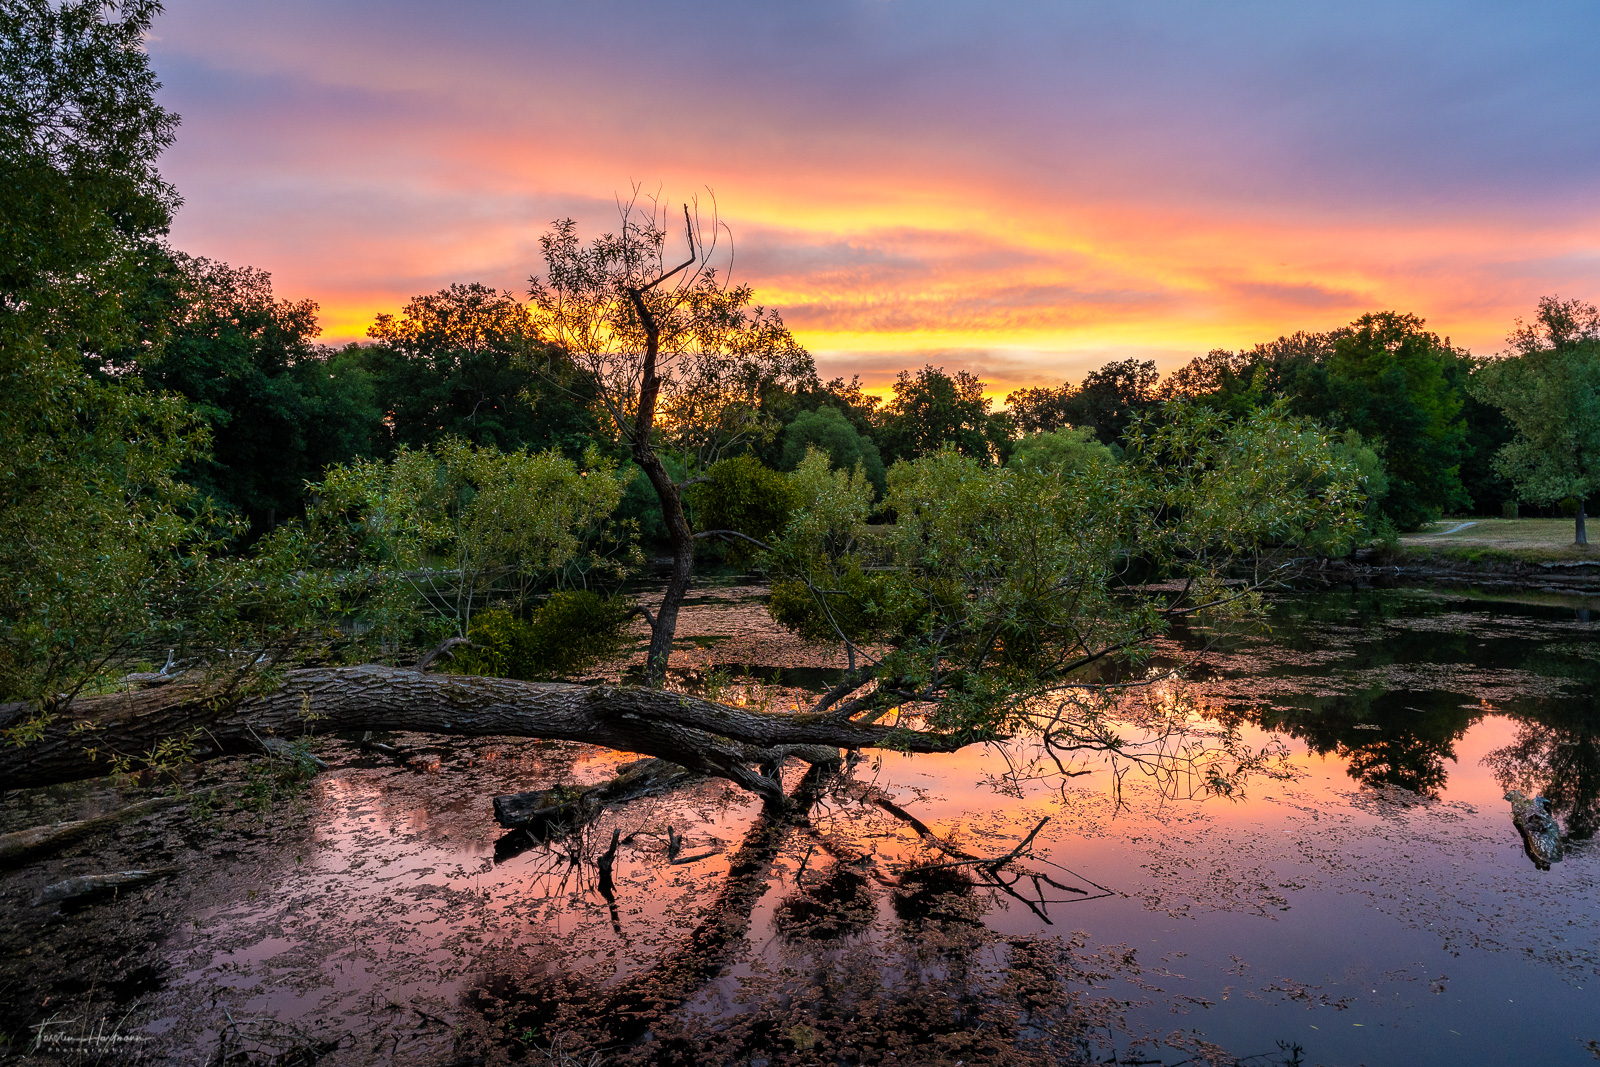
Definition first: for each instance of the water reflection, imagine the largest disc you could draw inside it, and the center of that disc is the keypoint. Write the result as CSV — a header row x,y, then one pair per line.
x,y
852,936
1399,709
1557,757
1381,737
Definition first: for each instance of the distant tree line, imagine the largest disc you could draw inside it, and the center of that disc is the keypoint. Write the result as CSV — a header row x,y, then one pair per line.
x,y
465,362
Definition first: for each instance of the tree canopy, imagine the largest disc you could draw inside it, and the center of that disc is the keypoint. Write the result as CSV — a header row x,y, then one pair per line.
x,y
279,408
1549,389
931,409
459,363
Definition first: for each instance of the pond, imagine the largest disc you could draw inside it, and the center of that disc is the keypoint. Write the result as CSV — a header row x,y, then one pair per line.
x,y
1377,906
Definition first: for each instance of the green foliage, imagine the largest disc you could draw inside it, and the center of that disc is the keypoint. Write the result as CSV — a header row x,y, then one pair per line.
x,y
828,430
1400,387
1070,448
1550,392
991,585
1354,454
566,634
463,526
460,363
932,409
279,409
1389,379
95,530
742,495
825,535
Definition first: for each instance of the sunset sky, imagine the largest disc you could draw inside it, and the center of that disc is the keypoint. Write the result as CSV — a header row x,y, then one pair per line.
x,y
1025,190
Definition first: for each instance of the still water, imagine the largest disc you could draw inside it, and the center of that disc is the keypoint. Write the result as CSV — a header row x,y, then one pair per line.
x,y
1375,907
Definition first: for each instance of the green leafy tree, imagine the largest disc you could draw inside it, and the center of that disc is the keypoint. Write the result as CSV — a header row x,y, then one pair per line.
x,y
830,431
1388,379
460,362
1071,448
280,409
993,586
743,498
90,514
468,527
1549,390
564,634
931,409
106,555
1397,385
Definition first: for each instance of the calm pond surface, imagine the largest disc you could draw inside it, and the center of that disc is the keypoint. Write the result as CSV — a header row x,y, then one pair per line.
x,y
1376,908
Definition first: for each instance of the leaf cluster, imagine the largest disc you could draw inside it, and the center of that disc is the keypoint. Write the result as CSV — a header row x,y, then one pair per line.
x,y
568,632
464,526
984,587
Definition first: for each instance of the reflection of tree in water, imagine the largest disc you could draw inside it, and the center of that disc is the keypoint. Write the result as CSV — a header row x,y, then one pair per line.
x,y
1405,738
1557,757
935,986
1383,737
1556,753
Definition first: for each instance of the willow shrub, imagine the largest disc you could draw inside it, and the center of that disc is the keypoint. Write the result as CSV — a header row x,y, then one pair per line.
x,y
984,588
569,632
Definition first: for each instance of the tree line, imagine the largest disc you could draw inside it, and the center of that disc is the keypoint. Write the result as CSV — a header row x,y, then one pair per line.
x,y
1428,423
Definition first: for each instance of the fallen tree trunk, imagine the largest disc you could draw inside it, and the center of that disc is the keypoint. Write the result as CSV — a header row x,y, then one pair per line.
x,y
36,842
701,735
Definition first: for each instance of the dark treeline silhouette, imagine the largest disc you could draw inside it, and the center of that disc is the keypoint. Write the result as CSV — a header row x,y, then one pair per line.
x,y
464,362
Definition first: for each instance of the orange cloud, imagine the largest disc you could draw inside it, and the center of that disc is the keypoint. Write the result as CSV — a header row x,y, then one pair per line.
x,y
1028,222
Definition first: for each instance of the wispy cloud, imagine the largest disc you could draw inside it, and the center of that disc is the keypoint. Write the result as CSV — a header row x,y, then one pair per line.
x,y
1050,181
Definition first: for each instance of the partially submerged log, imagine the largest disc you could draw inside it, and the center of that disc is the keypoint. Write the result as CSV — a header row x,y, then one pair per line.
x,y
1541,834
700,735
36,842
541,808
86,887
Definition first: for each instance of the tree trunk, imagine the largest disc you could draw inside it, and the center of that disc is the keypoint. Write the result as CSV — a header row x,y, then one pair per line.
x,y
1582,534
710,738
664,626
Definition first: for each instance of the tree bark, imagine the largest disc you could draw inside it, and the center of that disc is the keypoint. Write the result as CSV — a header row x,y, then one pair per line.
x,y
701,735
1582,534
664,625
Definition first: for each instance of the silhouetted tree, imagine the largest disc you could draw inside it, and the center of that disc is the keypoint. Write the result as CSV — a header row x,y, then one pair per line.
x,y
932,409
459,363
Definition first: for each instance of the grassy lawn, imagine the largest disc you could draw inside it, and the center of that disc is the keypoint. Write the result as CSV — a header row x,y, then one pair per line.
x,y
1531,540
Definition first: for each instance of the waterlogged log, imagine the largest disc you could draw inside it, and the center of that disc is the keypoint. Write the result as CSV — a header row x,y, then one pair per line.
x,y
1541,834
86,887
37,842
544,807
700,735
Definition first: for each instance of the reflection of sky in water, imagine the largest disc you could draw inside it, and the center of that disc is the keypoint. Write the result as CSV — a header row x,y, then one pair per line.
x,y
1367,924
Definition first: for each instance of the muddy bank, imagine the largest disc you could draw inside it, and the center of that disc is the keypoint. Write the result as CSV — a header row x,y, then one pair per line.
x,y
1574,577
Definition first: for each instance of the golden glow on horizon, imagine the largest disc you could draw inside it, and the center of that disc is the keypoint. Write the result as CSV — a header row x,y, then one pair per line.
x,y
1028,236
933,276
1025,285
